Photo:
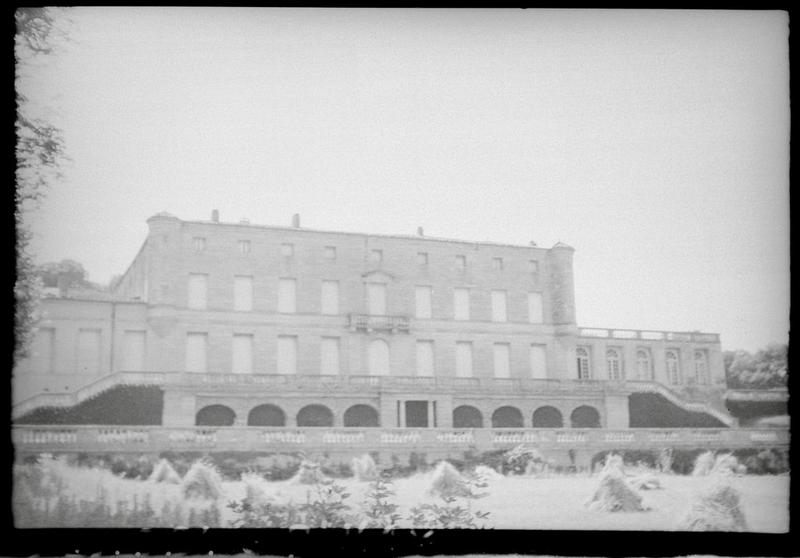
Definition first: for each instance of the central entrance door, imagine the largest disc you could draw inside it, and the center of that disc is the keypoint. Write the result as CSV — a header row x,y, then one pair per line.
x,y
417,414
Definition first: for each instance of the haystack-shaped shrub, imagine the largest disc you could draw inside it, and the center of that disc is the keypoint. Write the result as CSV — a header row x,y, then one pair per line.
x,y
447,482
645,482
703,464
614,494
364,468
725,464
256,491
308,473
487,473
613,462
164,472
715,509
202,480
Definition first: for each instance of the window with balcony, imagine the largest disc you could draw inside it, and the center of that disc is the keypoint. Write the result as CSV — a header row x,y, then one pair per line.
x,y
196,349
644,364
287,296
242,361
133,350
700,367
198,289
502,360
461,303
425,358
614,364
243,293
422,297
673,367
330,298
287,354
499,309
464,359
538,361
244,246
376,299
329,356
199,243
497,264
535,314
287,250
582,357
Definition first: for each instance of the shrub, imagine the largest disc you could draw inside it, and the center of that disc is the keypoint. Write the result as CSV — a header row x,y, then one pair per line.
x,y
163,472
613,462
453,512
487,473
614,494
517,460
645,482
256,489
715,509
378,509
202,480
665,460
704,464
308,473
448,482
364,468
726,464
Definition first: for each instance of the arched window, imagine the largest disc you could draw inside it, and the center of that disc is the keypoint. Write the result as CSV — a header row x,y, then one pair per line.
x,y
583,363
585,417
547,417
215,415
361,416
315,415
673,370
614,365
644,365
266,415
700,367
507,417
378,358
467,416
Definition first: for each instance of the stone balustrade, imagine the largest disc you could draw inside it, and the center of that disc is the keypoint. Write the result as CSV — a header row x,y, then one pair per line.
x,y
649,335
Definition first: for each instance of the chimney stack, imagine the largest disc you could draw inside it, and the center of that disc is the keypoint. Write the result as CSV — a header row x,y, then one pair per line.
x,y
215,215
420,232
296,220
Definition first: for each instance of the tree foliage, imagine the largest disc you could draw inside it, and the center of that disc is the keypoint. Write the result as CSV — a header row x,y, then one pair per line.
x,y
72,271
766,369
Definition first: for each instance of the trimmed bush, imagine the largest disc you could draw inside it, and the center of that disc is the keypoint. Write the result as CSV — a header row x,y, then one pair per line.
x,y
645,482
364,468
613,462
202,480
309,473
487,473
256,489
704,464
447,482
614,494
715,509
726,464
163,472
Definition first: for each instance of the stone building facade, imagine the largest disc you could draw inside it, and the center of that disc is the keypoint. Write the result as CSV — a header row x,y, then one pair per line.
x,y
286,326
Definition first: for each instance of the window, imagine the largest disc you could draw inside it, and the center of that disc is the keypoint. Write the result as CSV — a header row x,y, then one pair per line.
x,y
461,263
196,347
538,361
198,288
422,258
644,365
422,296
133,351
614,364
502,365
424,358
330,298
379,358
533,266
199,243
673,370
330,252
329,356
244,246
287,296
89,352
583,363
376,256
499,311
242,354
535,314
461,303
497,264
700,367
287,354
464,359
243,293
287,250
43,350
376,299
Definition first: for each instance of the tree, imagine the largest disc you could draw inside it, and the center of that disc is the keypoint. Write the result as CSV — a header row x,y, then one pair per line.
x,y
768,368
72,271
40,155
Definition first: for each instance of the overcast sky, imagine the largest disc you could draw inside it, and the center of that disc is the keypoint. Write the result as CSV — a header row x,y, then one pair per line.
x,y
654,142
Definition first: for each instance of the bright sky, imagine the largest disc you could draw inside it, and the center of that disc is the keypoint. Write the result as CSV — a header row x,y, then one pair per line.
x,y
654,142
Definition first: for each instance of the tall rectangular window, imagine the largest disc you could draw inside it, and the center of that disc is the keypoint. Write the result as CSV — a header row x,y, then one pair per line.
x,y
538,361
242,362
497,264
287,354
461,303
198,291
43,350
329,356
422,297
244,246
461,262
424,358
330,298
464,359
196,349
199,243
89,353
133,350
243,293
502,360
376,256
376,299
287,296
287,250
422,258
330,252
535,315
499,313
533,266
